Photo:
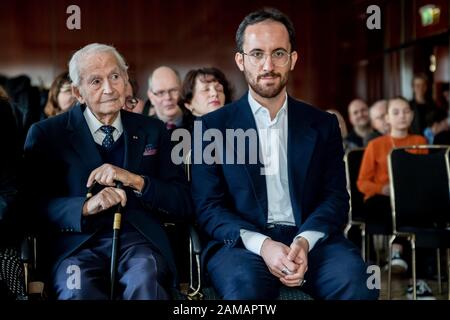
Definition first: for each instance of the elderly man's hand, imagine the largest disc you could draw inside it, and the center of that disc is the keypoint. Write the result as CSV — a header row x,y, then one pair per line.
x,y
275,255
108,175
104,200
299,255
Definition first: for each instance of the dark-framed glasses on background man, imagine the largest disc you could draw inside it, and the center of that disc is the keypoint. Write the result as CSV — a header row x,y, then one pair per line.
x,y
170,92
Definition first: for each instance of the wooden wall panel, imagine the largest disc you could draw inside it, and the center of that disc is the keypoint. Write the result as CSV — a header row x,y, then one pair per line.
x,y
182,34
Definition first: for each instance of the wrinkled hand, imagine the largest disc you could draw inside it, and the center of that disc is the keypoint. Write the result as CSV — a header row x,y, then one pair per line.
x,y
299,255
104,200
107,175
275,255
386,190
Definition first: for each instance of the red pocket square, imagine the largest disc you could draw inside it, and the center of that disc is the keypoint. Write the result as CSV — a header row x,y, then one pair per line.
x,y
150,150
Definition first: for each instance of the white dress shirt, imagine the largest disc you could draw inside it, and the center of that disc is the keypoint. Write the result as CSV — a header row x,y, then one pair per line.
x,y
273,138
94,126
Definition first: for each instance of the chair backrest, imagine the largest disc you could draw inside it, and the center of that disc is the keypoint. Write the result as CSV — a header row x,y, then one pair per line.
x,y
353,159
419,184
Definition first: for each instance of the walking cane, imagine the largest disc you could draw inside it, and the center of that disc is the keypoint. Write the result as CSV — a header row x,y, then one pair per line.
x,y
115,240
115,243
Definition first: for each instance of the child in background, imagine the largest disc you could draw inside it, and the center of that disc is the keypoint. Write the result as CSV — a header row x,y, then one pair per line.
x,y
373,179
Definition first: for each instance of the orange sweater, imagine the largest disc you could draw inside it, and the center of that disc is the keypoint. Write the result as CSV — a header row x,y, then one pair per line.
x,y
373,174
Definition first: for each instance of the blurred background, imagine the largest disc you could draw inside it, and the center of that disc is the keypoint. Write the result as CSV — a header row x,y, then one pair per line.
x,y
340,58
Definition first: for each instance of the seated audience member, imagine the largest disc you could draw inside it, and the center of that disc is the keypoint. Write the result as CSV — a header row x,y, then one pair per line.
x,y
205,90
436,123
263,232
358,113
132,102
342,125
27,102
341,121
97,145
377,115
60,98
373,179
11,270
422,103
164,86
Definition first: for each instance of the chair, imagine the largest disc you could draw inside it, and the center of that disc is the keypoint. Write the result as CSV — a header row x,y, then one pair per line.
x,y
352,160
356,214
197,290
420,201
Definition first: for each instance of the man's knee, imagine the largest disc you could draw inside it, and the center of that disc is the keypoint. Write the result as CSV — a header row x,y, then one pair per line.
x,y
245,285
147,281
87,289
353,283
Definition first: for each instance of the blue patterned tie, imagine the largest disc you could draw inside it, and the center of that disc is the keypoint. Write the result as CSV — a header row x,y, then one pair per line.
x,y
108,140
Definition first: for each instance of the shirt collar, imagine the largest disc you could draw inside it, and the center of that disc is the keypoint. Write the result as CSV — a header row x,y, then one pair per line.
x,y
178,122
257,107
94,124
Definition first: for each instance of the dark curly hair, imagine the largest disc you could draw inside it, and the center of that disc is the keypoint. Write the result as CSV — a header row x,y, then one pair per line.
x,y
188,87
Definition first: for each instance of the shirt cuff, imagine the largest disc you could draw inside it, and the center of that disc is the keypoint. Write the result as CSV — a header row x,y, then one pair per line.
x,y
253,241
144,189
312,237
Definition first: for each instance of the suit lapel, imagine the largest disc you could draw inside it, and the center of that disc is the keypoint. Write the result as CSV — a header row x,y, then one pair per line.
x,y
81,138
134,138
243,119
301,143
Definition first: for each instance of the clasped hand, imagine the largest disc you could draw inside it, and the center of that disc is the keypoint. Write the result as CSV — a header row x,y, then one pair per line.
x,y
108,175
288,264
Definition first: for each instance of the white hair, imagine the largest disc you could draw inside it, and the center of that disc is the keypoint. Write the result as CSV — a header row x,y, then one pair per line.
x,y
77,59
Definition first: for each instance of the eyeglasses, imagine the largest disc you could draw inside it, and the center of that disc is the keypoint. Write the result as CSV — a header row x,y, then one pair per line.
x,y
170,92
279,58
131,102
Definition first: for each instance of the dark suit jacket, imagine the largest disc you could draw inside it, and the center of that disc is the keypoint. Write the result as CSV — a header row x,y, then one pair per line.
x,y
60,153
9,164
231,197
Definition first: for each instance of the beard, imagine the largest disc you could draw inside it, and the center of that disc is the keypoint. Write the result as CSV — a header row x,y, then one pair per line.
x,y
264,90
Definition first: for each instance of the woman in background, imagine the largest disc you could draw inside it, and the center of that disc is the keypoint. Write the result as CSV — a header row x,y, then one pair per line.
x,y
60,97
205,90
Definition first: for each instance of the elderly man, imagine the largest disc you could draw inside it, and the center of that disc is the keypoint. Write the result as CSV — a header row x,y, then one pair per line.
x,y
265,230
377,115
358,113
164,87
96,145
